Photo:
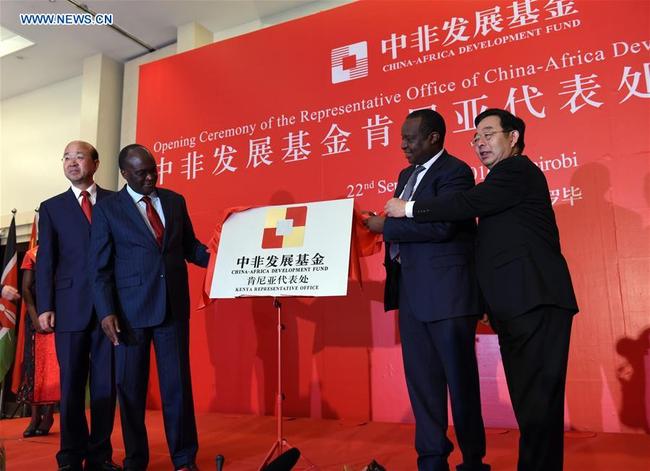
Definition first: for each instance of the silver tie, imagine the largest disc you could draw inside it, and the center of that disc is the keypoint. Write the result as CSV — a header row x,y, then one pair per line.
x,y
407,193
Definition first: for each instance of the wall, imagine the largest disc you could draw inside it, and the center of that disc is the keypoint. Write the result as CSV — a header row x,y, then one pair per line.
x,y
36,126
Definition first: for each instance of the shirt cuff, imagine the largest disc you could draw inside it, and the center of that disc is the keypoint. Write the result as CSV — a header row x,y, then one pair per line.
x,y
408,209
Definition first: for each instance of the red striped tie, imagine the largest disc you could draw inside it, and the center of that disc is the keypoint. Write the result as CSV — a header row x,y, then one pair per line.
x,y
154,220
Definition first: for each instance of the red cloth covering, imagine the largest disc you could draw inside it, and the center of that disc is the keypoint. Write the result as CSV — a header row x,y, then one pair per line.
x,y
364,243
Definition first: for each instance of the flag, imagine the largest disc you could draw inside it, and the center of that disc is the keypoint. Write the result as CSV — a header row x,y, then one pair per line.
x,y
8,308
20,343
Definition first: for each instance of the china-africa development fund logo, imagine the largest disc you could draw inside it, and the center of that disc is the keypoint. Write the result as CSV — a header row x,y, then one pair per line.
x,y
350,62
284,227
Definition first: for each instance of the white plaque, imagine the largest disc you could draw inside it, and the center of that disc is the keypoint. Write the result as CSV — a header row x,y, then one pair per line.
x,y
288,250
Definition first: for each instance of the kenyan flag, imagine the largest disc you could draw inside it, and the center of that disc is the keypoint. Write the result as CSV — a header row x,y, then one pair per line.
x,y
8,308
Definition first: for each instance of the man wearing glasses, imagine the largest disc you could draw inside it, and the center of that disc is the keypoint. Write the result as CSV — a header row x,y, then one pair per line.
x,y
523,276
65,306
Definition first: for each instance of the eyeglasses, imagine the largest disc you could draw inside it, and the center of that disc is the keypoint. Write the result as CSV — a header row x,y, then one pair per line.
x,y
74,158
487,137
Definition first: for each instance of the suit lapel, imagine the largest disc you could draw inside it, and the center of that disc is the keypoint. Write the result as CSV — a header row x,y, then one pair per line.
x,y
401,182
431,174
426,179
168,211
101,193
133,212
75,208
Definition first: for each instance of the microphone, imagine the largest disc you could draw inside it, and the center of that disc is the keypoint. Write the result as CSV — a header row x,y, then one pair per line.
x,y
220,460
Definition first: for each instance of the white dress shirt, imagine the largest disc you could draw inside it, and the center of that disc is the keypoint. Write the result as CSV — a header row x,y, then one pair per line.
x,y
142,207
427,165
92,190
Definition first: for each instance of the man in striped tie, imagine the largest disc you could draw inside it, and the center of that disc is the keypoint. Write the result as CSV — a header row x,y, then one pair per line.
x,y
430,278
141,240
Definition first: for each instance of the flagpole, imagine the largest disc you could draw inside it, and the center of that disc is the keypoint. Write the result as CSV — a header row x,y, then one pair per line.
x,y
17,379
12,229
2,399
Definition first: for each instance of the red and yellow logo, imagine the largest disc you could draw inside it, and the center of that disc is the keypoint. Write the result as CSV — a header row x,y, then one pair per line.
x,y
284,227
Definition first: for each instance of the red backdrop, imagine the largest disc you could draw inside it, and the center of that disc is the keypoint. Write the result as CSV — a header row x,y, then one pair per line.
x,y
311,110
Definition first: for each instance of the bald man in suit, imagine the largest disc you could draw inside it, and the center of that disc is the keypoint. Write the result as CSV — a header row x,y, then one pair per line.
x,y
65,305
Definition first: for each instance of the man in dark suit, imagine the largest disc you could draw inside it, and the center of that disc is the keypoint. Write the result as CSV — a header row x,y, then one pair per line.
x,y
523,276
64,301
141,238
430,277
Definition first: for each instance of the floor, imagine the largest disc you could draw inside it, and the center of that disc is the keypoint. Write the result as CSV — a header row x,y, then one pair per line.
x,y
330,444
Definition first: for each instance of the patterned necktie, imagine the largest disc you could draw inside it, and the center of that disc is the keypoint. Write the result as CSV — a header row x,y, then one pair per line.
x,y
154,220
86,205
410,183
393,248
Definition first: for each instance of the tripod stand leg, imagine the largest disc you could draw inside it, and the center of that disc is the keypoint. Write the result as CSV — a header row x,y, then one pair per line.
x,y
277,447
280,445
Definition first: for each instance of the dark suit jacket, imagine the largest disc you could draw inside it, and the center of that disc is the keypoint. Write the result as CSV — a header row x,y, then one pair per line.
x,y
134,278
62,272
519,261
437,259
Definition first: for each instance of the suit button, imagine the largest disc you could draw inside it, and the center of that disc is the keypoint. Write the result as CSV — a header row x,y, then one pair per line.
x,y
162,276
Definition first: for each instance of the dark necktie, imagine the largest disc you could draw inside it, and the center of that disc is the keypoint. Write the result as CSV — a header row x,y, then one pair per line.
x,y
154,220
407,193
86,205
410,183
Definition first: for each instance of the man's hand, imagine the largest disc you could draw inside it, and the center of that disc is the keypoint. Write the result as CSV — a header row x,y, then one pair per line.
x,y
375,224
46,321
10,293
111,328
395,208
